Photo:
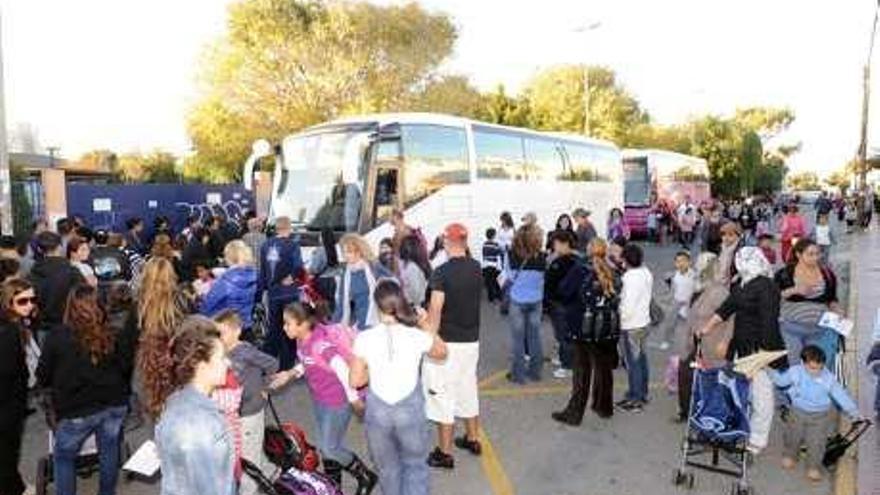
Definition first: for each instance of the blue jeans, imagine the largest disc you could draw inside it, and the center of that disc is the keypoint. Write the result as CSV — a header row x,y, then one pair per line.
x,y
332,426
70,435
525,330
277,344
632,343
799,335
560,331
398,440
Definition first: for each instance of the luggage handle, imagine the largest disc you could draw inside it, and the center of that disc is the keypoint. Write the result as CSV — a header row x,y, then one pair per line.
x,y
273,410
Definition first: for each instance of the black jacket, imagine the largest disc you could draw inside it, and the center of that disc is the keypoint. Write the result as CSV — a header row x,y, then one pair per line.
x,y
13,376
756,327
111,264
53,277
79,387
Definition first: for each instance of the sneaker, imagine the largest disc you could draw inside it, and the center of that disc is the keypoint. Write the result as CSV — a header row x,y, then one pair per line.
x,y
664,346
633,406
472,446
440,459
561,373
564,418
556,362
622,403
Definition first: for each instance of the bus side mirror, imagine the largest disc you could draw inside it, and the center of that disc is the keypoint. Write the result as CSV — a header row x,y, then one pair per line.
x,y
260,149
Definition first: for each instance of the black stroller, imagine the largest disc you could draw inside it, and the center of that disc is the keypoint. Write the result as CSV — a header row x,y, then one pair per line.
x,y
717,428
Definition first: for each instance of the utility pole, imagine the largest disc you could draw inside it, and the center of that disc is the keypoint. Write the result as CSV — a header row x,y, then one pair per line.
x,y
5,181
585,30
866,98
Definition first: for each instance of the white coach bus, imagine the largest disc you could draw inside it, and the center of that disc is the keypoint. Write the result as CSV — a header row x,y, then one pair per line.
x,y
348,175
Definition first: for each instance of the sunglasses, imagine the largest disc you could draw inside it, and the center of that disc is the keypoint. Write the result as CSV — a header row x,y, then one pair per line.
x,y
24,301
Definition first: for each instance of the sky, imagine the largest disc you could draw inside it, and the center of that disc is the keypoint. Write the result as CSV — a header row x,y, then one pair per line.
x,y
121,74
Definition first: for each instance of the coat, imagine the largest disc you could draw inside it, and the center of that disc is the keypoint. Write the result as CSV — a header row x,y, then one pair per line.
x,y
235,289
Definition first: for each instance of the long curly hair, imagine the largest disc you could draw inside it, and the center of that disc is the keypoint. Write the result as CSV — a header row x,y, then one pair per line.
x,y
173,364
599,256
527,243
88,322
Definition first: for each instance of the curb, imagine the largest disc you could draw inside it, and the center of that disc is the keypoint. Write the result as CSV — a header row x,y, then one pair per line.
x,y
845,476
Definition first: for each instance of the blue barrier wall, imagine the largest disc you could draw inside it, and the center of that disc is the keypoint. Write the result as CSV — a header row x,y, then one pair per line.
x,y
109,206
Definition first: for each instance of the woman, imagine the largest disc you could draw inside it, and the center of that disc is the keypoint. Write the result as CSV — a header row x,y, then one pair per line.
x,y
506,231
355,305
86,365
594,324
236,288
563,224
78,253
195,448
617,226
326,369
793,228
17,300
809,289
388,358
755,302
197,251
160,309
414,271
556,303
526,278
731,236
712,290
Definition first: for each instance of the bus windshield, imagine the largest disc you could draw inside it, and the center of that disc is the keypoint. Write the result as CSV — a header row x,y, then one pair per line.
x,y
319,186
636,183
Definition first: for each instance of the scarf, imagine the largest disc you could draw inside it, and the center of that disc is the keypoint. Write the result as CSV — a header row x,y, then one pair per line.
x,y
345,300
751,263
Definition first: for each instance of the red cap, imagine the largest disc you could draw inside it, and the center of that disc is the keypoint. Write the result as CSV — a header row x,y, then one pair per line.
x,y
455,232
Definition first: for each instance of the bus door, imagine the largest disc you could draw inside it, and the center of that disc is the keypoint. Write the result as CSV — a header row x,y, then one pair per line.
x,y
384,180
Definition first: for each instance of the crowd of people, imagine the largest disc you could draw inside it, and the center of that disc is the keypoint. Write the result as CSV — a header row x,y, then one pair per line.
x,y
193,331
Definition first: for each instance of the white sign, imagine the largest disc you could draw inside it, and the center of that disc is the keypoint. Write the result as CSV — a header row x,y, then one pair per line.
x,y
152,204
236,195
838,323
102,204
145,461
213,198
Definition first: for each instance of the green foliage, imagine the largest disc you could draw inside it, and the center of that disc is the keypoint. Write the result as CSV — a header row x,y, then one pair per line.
x,y
839,179
157,166
287,64
751,160
803,181
499,108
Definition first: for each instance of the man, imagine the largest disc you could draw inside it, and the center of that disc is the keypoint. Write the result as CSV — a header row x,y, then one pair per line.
x,y
65,229
454,312
53,277
280,265
585,231
823,204
110,263
134,237
218,237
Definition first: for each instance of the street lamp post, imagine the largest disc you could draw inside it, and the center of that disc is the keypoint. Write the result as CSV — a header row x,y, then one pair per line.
x,y
586,29
866,96
5,179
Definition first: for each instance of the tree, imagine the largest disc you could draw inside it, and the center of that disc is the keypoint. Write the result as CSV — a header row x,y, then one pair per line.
x,y
499,108
101,159
452,95
803,181
751,161
287,64
839,179
157,166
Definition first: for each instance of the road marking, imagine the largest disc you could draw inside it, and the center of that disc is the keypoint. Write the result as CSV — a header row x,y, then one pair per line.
x,y
491,379
493,468
524,391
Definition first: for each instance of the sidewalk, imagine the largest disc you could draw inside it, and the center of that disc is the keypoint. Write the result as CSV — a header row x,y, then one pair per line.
x,y
861,474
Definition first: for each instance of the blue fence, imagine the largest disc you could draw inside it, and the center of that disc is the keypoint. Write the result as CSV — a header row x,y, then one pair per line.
x,y
109,206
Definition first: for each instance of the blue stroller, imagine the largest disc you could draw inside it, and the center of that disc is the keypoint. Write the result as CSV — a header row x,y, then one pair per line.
x,y
717,428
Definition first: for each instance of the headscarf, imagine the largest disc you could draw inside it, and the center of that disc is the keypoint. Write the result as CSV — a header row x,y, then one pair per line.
x,y
707,264
751,263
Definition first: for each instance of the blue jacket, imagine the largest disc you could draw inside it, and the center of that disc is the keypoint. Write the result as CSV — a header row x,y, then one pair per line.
x,y
814,394
280,257
195,448
360,296
527,279
235,289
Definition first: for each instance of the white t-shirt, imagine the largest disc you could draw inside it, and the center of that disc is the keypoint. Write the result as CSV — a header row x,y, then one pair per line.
x,y
393,354
683,287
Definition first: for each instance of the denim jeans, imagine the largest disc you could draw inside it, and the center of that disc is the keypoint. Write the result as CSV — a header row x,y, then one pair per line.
x,y
525,330
632,344
70,435
277,344
799,335
332,426
560,331
398,440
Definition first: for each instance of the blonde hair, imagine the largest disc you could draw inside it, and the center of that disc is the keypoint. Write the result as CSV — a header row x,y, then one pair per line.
x,y
359,245
238,253
158,307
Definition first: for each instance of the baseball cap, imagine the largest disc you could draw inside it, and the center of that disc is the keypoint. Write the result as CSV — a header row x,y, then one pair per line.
x,y
580,212
455,232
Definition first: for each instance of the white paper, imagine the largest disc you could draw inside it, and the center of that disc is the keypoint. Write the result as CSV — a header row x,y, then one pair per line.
x,y
102,204
838,323
145,461
152,204
213,198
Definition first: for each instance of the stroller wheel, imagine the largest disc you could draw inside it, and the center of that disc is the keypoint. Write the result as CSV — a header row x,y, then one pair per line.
x,y
741,488
683,478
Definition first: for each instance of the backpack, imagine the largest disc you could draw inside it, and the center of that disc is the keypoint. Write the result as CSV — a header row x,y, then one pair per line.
x,y
286,445
296,482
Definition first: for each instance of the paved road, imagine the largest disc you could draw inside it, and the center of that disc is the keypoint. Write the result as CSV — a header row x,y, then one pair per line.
x,y
529,454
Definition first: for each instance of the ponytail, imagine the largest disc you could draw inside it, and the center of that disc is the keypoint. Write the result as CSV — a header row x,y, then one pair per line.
x,y
312,313
391,301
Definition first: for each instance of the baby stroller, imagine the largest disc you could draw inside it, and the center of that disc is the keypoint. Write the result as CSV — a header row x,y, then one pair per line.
x,y
717,428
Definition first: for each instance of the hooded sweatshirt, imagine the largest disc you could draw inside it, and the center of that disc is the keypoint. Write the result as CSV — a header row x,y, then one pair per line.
x,y
236,290
53,277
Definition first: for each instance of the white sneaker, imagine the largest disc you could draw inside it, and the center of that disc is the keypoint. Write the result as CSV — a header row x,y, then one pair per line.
x,y
30,490
561,373
664,346
556,362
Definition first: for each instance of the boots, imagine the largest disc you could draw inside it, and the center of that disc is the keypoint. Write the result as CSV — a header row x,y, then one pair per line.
x,y
366,479
333,470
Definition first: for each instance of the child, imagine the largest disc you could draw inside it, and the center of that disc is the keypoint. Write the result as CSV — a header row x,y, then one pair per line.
x,y
252,368
873,362
492,264
652,225
325,353
683,285
204,280
765,243
823,236
813,390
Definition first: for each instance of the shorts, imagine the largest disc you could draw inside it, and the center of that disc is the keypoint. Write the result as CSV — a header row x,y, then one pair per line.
x,y
451,386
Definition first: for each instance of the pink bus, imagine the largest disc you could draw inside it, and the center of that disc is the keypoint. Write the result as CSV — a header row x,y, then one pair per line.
x,y
658,176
